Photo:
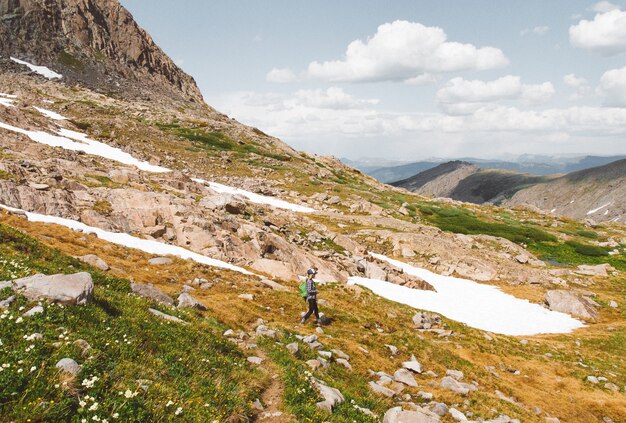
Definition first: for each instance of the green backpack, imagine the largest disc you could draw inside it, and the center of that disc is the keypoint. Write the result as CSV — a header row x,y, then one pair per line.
x,y
302,288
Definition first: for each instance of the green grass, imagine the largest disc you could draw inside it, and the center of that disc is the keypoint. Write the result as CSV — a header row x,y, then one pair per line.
x,y
142,368
7,175
459,220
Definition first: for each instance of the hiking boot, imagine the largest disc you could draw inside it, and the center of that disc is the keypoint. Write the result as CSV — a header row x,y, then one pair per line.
x,y
318,323
302,321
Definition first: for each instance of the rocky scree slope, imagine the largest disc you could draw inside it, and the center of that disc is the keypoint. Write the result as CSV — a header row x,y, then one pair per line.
x,y
96,43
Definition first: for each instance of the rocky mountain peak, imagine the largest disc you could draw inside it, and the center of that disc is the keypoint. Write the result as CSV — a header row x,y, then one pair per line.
x,y
95,43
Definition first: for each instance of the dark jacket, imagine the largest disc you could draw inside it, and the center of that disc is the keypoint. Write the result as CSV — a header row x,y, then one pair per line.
x,y
310,289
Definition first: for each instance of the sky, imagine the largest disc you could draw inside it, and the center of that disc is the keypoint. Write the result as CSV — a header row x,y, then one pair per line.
x,y
408,80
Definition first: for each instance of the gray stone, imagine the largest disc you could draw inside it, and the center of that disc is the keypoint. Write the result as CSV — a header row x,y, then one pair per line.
x,y
340,354
572,303
263,330
457,415
381,389
344,363
593,380
229,333
331,396
255,360
160,260
152,293
293,348
611,387
248,297
73,289
425,395
455,374
413,366
439,408
165,316
33,311
404,376
455,386
6,303
552,420
398,415
310,339
613,304
68,365
186,300
392,348
257,405
95,261
325,354
314,364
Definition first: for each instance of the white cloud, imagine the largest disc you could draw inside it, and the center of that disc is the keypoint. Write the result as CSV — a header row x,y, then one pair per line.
x,y
604,6
281,76
574,81
613,87
461,96
538,30
579,85
423,79
606,34
403,50
332,98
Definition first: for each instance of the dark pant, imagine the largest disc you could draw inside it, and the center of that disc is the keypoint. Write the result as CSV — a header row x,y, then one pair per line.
x,y
312,309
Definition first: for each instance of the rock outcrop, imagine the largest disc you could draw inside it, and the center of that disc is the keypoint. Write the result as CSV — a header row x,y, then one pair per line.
x,y
73,289
572,303
96,43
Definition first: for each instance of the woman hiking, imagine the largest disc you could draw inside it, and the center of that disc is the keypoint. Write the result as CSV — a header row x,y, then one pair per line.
x,y
311,296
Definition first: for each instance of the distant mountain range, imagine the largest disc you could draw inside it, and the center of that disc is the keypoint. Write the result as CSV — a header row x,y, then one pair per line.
x,y
388,171
598,192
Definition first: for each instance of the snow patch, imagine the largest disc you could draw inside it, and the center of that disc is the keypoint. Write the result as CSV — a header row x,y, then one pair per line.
x,y
552,211
255,198
8,95
146,245
599,208
480,306
6,102
50,114
41,70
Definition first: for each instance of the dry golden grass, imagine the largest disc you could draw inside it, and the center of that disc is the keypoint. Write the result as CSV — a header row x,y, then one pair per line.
x,y
554,384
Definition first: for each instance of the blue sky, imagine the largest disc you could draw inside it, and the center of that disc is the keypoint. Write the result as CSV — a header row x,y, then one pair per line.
x,y
408,80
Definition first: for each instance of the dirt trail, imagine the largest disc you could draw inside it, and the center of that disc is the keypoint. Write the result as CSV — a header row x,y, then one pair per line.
x,y
272,396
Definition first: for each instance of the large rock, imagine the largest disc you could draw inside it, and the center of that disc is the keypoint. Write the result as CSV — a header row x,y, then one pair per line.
x,y
165,316
455,386
381,389
152,293
63,289
404,376
398,415
95,261
571,303
68,365
186,300
331,396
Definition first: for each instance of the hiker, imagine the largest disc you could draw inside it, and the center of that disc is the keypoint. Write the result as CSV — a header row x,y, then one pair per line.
x,y
311,296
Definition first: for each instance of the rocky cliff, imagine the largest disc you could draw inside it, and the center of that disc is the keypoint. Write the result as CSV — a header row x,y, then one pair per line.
x,y
95,43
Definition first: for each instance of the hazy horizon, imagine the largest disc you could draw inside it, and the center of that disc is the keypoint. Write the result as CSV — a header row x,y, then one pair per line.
x,y
410,78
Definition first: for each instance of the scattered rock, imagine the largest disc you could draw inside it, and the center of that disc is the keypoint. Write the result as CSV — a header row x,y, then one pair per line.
x,y
249,297
255,360
439,408
95,261
39,187
152,293
325,354
33,311
68,365
324,320
613,304
83,345
186,300
381,389
363,350
611,387
404,376
425,320
572,303
165,316
593,380
340,354
597,270
293,348
457,415
425,395
455,386
73,289
392,348
229,333
314,364
455,374
6,303
331,396
257,405
263,330
398,415
160,261
413,366
344,363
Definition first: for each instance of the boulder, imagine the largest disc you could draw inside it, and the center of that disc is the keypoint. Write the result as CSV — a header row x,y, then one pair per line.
x,y
186,300
413,366
152,293
455,374
248,297
68,365
314,364
398,415
255,360
381,389
404,376
597,270
94,261
331,396
65,289
455,386
344,363
293,348
426,320
457,415
571,303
